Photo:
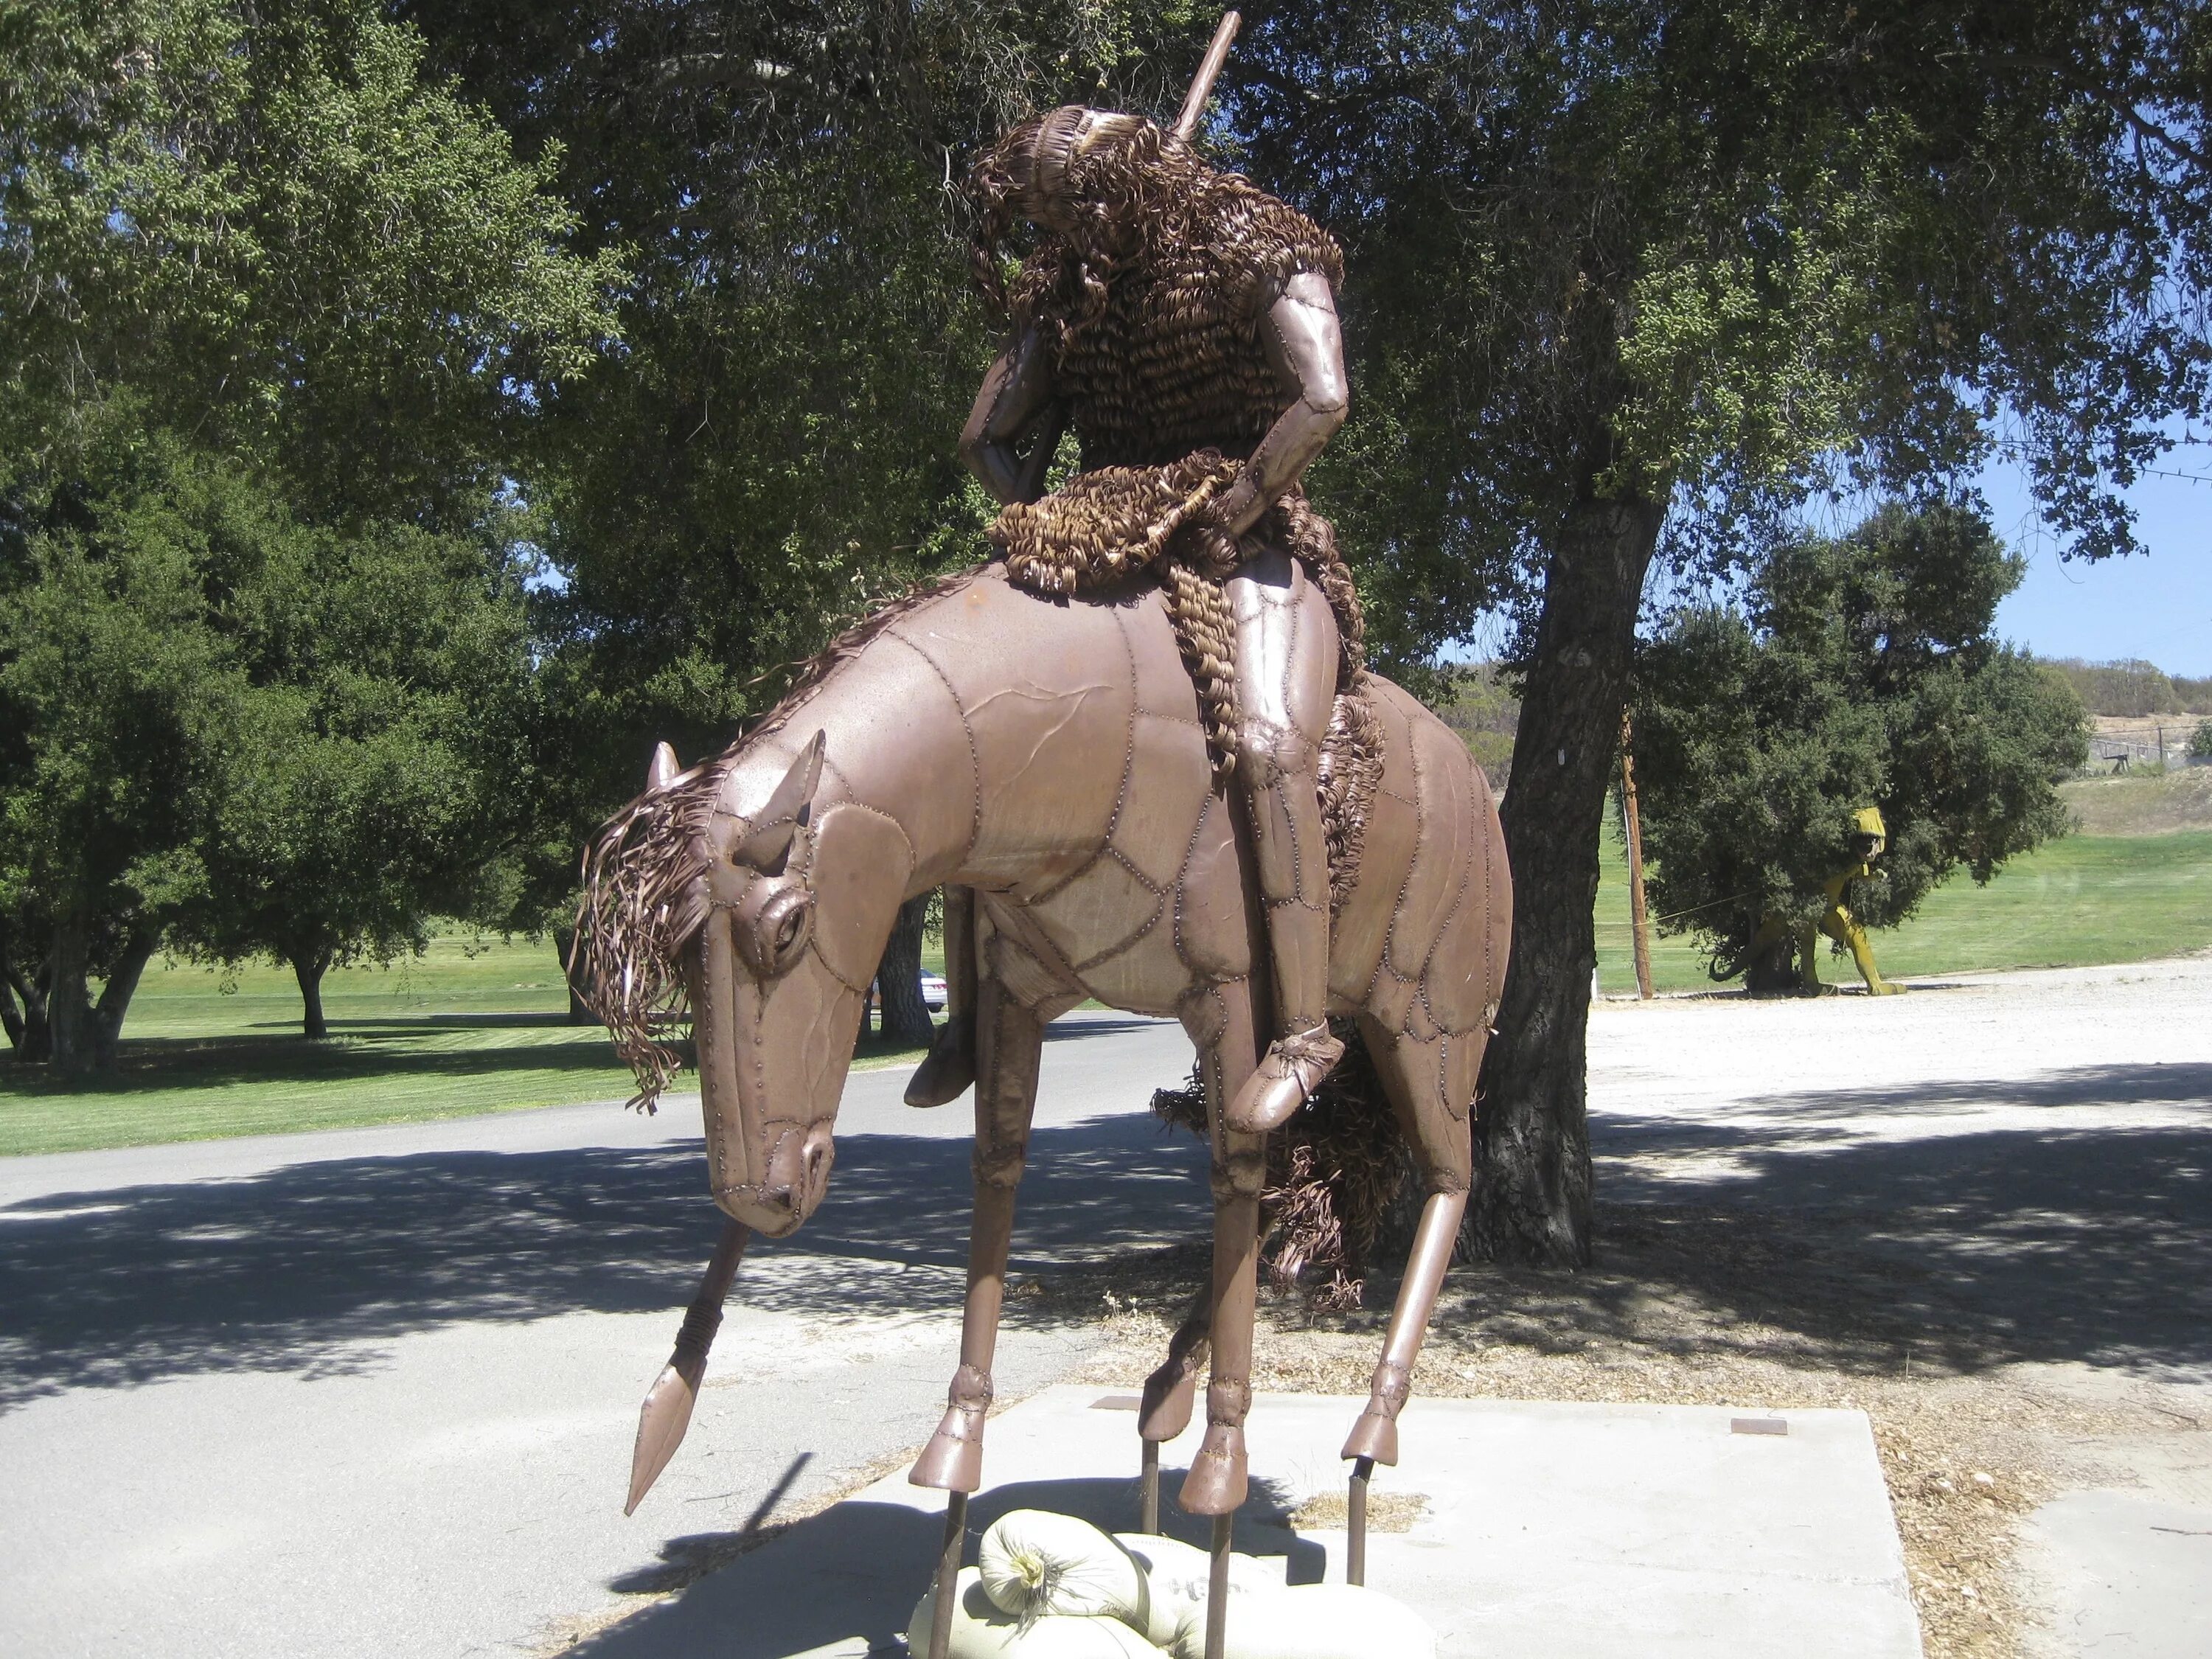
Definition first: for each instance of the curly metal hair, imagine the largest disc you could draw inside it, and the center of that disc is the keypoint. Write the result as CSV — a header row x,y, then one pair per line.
x,y
1130,196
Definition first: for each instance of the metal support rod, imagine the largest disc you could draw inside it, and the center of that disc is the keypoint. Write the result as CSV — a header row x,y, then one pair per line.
x,y
1631,824
1217,1589
1355,1522
1148,1511
948,1573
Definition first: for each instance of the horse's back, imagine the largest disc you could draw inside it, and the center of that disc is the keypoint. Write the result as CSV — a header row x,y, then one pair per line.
x,y
1106,828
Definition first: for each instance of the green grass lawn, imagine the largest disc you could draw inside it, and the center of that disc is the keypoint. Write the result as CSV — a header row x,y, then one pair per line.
x,y
473,1026
479,1026
2083,900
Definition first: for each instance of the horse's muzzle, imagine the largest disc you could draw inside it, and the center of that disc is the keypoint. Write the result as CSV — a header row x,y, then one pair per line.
x,y
796,1175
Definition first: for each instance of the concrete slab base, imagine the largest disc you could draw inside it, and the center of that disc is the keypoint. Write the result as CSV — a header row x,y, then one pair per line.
x,y
1565,1530
2127,1574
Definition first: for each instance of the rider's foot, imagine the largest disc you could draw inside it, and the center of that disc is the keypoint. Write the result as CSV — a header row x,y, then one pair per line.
x,y
949,1069
1291,1069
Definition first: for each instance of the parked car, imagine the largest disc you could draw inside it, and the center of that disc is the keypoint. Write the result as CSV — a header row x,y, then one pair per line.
x,y
932,992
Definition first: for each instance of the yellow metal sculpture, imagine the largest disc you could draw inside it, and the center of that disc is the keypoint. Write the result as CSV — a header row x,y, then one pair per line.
x,y
1838,922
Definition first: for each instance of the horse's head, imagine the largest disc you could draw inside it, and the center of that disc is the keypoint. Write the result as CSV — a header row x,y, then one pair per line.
x,y
730,890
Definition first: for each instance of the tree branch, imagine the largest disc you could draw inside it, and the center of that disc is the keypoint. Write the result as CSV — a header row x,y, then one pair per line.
x,y
2067,75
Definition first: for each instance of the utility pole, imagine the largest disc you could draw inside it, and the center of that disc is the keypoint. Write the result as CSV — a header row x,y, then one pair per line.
x,y
1636,927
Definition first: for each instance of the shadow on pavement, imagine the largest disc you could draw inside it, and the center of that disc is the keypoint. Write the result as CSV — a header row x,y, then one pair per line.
x,y
401,1049
1969,1249
858,1568
280,1271
375,1051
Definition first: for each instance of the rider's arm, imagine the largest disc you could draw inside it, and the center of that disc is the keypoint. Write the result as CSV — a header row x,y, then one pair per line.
x,y
1306,348
1014,405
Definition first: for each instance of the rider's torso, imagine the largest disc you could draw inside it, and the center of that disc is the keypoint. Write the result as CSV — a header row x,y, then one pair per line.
x,y
1173,364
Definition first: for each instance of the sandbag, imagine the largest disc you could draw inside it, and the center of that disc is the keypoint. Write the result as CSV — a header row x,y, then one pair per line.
x,y
1054,1587
981,1631
1035,1562
1176,1576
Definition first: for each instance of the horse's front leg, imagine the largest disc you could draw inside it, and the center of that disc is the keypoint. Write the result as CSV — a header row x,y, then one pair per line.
x,y
1216,1484
1009,1041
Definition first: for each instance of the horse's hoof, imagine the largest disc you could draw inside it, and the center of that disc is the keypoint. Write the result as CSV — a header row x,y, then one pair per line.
x,y
1374,1436
953,1459
1216,1483
1170,1394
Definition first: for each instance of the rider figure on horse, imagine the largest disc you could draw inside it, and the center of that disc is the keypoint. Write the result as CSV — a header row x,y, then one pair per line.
x,y
1183,321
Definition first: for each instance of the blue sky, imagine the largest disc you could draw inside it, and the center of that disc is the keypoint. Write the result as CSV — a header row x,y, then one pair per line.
x,y
2157,606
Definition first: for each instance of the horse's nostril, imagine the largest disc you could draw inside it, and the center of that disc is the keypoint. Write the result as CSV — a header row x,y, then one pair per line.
x,y
820,1153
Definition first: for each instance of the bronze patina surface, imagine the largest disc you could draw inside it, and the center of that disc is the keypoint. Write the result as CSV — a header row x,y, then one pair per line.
x,y
1140,751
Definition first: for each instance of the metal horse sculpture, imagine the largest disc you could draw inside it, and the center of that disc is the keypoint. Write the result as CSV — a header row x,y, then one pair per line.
x,y
1049,756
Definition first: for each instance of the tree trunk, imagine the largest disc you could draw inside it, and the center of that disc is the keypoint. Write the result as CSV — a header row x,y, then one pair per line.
x,y
115,998
69,1013
308,967
34,1044
906,1016
1532,1188
1771,970
580,1011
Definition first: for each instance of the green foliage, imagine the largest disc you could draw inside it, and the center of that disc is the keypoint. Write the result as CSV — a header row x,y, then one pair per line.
x,y
2200,741
1476,702
116,696
1718,256
372,784
260,735
2131,686
773,447
286,239
1855,671
274,302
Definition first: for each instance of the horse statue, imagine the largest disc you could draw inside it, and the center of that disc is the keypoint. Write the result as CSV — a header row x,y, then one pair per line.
x,y
1049,756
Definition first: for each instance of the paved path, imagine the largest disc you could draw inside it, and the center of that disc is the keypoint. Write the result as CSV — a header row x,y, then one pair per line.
x,y
372,1392
2036,1150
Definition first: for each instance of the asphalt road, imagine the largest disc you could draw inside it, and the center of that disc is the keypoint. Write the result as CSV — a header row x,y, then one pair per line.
x,y
372,1392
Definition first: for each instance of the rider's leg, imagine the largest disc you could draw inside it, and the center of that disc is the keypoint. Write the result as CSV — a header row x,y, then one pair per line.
x,y
948,1067
1286,679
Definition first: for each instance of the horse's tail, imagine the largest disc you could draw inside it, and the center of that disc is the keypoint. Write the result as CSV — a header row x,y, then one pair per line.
x,y
1335,1173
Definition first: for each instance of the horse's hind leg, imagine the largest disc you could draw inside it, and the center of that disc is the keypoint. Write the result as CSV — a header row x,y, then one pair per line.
x,y
1431,1087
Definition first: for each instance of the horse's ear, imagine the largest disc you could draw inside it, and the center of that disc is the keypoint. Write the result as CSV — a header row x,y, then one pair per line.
x,y
661,770
768,839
